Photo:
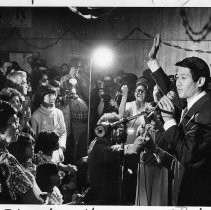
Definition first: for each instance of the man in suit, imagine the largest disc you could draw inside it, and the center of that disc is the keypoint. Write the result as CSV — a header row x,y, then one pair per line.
x,y
190,139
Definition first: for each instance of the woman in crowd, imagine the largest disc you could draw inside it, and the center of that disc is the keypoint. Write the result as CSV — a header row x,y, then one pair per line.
x,y
18,80
16,187
48,117
128,109
151,187
14,97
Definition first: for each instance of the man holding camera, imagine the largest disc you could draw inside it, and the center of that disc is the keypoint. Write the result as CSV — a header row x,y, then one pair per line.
x,y
77,111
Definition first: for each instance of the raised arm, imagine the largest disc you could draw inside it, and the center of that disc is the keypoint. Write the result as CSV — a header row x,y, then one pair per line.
x,y
122,105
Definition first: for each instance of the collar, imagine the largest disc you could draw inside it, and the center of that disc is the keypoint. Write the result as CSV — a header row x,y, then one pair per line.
x,y
193,100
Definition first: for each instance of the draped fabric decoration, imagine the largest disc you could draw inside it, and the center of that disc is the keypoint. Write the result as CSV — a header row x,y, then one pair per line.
x,y
22,18
195,36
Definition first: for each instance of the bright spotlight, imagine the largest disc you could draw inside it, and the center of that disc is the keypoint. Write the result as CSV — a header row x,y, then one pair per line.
x,y
102,57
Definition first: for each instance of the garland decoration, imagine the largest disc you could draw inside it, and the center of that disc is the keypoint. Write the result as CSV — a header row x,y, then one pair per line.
x,y
163,42
202,34
16,31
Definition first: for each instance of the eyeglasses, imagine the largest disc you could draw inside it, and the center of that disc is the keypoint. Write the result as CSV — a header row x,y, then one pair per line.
x,y
140,91
44,79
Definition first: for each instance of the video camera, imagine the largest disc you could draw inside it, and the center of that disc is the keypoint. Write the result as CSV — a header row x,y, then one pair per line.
x,y
112,84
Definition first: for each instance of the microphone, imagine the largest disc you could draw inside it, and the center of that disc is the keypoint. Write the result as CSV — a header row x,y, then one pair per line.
x,y
171,95
153,111
105,128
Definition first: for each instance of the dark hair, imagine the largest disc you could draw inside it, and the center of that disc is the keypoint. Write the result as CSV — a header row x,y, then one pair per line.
x,y
142,83
40,93
6,112
46,89
18,148
43,174
8,93
198,68
36,76
46,142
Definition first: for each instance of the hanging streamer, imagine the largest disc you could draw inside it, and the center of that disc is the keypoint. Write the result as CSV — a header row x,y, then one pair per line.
x,y
16,31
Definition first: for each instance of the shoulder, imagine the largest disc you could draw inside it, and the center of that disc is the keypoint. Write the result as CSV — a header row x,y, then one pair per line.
x,y
16,171
8,158
203,116
58,111
130,104
36,113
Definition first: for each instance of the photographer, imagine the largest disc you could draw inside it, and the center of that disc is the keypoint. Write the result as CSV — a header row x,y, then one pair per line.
x,y
104,159
106,104
101,102
78,119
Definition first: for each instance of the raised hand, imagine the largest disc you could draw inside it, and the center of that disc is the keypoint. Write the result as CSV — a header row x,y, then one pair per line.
x,y
155,47
124,90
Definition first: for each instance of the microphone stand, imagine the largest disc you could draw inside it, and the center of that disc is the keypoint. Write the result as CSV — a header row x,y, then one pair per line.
x,y
122,162
123,121
114,125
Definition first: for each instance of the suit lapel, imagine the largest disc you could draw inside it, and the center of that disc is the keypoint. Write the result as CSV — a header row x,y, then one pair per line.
x,y
192,112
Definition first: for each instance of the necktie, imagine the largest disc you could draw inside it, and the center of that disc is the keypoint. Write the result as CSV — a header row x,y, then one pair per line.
x,y
184,111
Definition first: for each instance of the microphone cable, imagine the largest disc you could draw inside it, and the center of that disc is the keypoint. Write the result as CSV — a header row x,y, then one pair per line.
x,y
145,185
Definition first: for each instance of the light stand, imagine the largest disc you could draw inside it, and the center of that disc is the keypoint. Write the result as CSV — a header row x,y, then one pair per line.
x,y
89,107
101,57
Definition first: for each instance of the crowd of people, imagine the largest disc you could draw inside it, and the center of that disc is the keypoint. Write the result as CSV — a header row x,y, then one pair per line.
x,y
148,141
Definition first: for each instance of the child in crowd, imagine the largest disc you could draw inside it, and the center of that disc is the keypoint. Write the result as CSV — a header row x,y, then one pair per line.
x,y
48,117
23,150
48,179
47,143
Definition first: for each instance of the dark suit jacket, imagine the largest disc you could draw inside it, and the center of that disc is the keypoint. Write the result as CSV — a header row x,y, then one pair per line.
x,y
190,142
